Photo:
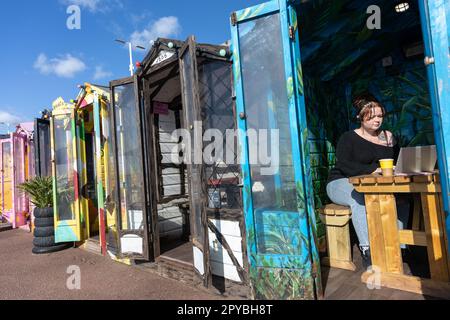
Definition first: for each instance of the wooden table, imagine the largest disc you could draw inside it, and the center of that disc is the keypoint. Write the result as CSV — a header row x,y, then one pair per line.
x,y
385,237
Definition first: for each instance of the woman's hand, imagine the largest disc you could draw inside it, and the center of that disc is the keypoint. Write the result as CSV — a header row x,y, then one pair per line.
x,y
378,171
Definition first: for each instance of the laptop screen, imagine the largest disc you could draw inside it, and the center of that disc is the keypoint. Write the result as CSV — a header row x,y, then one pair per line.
x,y
416,160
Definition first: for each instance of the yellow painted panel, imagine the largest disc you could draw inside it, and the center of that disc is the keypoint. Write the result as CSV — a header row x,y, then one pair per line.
x,y
7,194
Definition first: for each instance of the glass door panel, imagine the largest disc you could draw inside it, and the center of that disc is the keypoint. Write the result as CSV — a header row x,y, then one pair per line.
x,y
65,178
194,159
42,150
276,206
19,175
132,216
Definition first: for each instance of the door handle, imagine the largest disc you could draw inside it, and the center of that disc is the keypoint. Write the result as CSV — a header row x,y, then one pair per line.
x,y
428,60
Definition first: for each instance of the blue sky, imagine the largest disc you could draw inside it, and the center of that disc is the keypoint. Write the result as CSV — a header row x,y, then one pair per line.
x,y
41,59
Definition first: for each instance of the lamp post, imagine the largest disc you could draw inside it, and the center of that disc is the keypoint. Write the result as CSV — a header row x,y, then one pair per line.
x,y
130,49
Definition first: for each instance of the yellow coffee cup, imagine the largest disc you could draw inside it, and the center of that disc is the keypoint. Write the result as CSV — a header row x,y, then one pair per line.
x,y
387,167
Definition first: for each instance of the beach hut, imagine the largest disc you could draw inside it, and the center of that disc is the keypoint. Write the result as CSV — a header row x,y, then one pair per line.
x,y
177,207
297,65
84,203
17,164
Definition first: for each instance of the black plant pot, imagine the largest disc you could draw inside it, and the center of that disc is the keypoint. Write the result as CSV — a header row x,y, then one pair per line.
x,y
44,232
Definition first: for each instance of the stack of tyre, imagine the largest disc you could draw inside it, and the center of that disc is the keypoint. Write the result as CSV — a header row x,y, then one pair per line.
x,y
44,232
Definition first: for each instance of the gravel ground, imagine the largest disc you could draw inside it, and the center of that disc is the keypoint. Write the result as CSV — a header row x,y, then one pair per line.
x,y
26,276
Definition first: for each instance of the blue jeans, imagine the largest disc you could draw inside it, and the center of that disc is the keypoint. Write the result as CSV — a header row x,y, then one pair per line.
x,y
343,193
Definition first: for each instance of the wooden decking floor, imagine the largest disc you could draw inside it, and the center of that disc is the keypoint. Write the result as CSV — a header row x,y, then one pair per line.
x,y
341,284
181,251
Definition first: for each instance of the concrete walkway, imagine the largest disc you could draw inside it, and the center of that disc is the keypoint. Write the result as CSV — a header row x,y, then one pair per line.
x,y
26,276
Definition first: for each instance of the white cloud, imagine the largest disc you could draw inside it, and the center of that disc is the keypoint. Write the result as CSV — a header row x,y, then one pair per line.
x,y
66,66
101,74
137,19
7,117
94,5
163,27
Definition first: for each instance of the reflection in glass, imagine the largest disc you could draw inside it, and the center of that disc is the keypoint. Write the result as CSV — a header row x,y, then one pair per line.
x,y
266,103
266,106
110,176
64,160
129,151
44,151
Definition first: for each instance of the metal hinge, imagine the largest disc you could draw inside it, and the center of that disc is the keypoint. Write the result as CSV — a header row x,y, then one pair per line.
x,y
292,32
233,19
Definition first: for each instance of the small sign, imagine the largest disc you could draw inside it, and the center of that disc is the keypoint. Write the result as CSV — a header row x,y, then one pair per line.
x,y
131,243
160,108
163,56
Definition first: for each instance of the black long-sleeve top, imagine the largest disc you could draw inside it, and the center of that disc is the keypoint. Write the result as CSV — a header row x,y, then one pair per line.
x,y
357,156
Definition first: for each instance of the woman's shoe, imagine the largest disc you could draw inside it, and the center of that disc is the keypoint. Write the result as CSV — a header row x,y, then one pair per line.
x,y
366,258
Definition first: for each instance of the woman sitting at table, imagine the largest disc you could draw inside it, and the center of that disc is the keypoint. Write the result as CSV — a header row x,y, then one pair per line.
x,y
358,153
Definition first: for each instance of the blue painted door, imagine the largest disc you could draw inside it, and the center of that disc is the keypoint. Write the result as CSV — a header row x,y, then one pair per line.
x,y
435,18
278,204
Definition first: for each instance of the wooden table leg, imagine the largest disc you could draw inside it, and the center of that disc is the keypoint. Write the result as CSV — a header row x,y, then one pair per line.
x,y
434,229
375,232
383,233
388,212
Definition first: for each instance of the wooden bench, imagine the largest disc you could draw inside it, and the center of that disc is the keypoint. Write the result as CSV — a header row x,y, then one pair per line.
x,y
336,219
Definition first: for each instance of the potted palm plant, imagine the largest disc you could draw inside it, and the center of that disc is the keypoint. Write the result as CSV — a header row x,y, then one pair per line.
x,y
40,192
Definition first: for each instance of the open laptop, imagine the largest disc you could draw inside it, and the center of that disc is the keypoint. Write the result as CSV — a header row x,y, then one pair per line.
x,y
419,160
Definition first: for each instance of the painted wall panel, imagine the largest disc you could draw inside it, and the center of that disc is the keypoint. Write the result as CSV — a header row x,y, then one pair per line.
x,y
226,271
229,228
198,261
219,254
168,147
170,225
172,190
169,171
235,243
170,218
167,137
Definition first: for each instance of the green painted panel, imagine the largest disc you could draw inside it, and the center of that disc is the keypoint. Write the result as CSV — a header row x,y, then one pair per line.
x,y
282,284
